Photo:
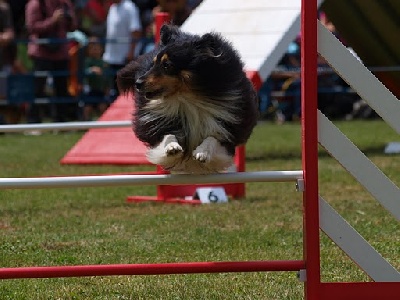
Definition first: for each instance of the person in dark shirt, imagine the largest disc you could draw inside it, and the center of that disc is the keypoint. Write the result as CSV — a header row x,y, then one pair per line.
x,y
97,80
50,19
7,56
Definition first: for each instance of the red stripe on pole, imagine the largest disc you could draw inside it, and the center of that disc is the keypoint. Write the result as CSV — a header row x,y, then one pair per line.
x,y
310,146
360,290
255,78
151,269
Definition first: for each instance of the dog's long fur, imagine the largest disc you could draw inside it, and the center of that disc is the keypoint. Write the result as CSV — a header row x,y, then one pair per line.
x,y
193,102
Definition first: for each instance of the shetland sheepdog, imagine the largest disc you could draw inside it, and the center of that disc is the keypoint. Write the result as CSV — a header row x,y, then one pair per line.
x,y
193,101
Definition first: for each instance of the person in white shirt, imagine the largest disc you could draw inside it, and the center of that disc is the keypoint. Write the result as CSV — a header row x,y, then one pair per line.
x,y
123,22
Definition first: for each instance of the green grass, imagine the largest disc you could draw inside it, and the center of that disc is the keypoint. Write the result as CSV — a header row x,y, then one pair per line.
x,y
97,226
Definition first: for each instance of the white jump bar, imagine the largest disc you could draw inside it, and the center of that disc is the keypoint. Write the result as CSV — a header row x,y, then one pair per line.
x,y
119,180
65,126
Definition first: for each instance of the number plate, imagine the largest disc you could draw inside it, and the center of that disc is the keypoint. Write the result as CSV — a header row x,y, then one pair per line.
x,y
211,195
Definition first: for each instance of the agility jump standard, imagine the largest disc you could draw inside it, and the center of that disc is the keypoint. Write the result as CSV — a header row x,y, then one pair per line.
x,y
147,269
315,209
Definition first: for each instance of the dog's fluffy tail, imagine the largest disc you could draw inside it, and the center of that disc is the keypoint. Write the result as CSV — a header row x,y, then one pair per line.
x,y
126,77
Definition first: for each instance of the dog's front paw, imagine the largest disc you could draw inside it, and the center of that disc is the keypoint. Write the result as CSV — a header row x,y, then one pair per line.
x,y
201,156
173,148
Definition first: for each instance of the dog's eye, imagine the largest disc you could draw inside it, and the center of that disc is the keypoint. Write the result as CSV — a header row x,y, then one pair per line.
x,y
166,65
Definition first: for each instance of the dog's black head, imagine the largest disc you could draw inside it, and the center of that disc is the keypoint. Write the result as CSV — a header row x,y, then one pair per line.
x,y
164,78
175,67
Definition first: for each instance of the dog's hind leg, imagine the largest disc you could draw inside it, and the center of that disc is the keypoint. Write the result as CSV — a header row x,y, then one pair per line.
x,y
166,153
211,152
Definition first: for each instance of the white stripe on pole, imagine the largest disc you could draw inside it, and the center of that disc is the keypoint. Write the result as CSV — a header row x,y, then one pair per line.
x,y
359,165
354,245
65,126
118,180
359,77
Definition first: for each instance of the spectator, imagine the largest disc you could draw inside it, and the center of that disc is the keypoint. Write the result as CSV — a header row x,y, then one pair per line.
x,y
7,55
285,81
94,18
79,6
291,85
178,10
97,83
146,43
123,22
50,19
17,9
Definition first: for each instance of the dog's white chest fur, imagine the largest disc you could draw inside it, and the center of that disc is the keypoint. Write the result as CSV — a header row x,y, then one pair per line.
x,y
201,122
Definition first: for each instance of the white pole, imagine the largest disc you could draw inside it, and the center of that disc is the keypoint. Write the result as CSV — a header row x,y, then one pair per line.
x,y
65,126
118,180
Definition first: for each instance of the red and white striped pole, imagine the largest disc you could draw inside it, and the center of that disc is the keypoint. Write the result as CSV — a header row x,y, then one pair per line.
x,y
310,147
150,269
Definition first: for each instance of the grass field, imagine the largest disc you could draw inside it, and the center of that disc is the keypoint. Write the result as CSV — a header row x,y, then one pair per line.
x,y
96,225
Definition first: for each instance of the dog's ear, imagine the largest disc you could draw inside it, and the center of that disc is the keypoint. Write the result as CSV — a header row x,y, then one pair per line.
x,y
126,77
209,45
168,34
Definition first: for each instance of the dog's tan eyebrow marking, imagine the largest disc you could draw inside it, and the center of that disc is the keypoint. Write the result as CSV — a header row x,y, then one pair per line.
x,y
164,57
155,59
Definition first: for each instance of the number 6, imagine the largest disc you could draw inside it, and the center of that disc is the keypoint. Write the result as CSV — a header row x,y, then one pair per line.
x,y
212,197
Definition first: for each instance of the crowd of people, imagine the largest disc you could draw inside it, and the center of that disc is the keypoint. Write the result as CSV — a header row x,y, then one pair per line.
x,y
75,48
280,94
90,40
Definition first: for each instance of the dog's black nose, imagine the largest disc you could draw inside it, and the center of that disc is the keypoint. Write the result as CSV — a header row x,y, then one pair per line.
x,y
139,84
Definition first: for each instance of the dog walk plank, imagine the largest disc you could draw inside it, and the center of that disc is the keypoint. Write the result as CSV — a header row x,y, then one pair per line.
x,y
260,30
109,145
